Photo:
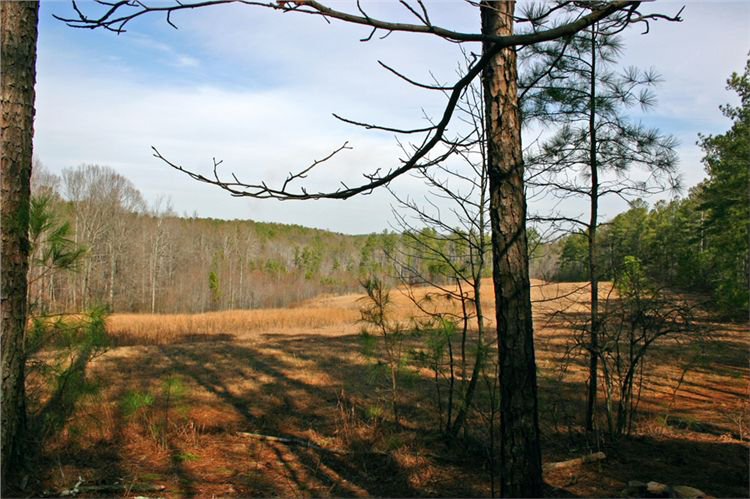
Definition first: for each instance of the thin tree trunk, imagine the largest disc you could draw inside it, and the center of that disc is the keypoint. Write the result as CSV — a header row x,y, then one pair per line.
x,y
18,34
231,284
452,382
594,280
520,455
152,279
241,296
50,288
155,269
468,397
85,283
464,328
153,286
73,279
478,360
477,286
112,270
607,378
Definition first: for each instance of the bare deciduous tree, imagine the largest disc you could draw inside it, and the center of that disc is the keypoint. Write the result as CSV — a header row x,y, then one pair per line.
x,y
448,251
102,200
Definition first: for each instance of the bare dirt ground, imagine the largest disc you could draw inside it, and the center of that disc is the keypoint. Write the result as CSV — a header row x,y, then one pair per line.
x,y
204,380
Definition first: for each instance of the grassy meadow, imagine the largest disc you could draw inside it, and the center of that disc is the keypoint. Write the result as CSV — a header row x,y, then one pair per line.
x,y
178,394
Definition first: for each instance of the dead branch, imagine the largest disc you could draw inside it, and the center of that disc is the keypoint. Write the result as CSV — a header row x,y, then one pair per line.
x,y
596,456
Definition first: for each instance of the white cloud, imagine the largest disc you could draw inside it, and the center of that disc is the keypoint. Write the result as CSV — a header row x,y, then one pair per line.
x,y
258,135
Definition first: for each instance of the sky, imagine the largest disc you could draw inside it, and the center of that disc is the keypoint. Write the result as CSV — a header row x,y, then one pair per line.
x,y
256,88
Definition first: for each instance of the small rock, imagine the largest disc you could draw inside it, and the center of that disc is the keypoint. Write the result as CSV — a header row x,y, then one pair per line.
x,y
656,489
687,492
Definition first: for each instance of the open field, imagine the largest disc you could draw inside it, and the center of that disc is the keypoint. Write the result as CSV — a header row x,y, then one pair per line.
x,y
298,373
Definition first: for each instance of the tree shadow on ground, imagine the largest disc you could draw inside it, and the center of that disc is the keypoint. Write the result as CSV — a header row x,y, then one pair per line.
x,y
315,388
291,387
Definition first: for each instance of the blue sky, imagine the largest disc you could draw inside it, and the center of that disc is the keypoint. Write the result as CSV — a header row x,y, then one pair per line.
x,y
256,89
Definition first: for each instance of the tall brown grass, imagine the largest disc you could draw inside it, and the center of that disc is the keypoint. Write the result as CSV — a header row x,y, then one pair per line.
x,y
340,312
159,329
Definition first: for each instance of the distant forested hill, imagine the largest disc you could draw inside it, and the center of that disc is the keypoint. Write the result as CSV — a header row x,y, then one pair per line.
x,y
144,258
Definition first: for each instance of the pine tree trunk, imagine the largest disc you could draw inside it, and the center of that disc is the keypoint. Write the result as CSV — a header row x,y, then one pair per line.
x,y
594,279
520,455
18,34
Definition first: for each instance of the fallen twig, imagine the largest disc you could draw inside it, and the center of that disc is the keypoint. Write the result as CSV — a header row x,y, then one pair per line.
x,y
118,487
290,441
596,456
115,487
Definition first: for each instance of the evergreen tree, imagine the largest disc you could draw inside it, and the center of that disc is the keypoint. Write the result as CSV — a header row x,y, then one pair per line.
x,y
213,286
591,154
724,199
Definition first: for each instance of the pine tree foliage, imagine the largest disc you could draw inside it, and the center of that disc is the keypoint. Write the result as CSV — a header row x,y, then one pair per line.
x,y
723,198
566,82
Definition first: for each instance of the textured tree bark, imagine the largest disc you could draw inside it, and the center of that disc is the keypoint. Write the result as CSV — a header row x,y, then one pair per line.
x,y
18,34
520,455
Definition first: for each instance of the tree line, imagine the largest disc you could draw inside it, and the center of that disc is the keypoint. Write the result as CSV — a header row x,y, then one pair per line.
x,y
133,256
128,255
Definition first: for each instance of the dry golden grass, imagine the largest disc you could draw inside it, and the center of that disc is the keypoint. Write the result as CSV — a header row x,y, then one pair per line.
x,y
162,329
554,304
321,313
